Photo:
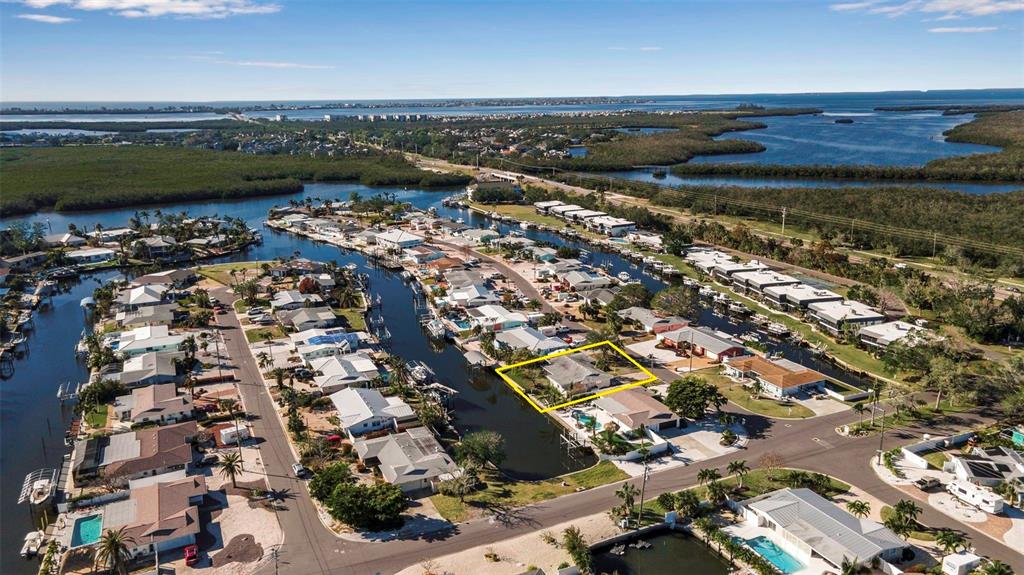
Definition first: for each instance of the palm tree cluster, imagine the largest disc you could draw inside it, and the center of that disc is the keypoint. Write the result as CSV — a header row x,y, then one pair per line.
x,y
730,548
902,519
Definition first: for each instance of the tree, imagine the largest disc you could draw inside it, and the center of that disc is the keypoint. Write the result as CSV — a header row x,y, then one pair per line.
x,y
950,541
707,475
858,508
324,482
717,493
482,447
667,500
738,468
849,567
675,300
578,549
628,494
907,509
374,507
113,550
463,484
264,360
687,503
771,462
944,375
691,397
995,567
230,466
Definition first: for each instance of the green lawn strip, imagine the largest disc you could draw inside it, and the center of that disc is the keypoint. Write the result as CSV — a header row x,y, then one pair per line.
x,y
936,459
97,416
920,414
353,317
260,334
526,213
848,354
921,533
221,273
507,494
756,482
741,397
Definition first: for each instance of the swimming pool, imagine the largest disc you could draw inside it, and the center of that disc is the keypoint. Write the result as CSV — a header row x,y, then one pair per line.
x,y
87,530
774,554
585,419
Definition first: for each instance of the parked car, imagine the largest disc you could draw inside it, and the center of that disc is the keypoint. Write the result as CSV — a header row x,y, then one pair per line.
x,y
191,554
255,311
299,470
303,374
927,483
209,459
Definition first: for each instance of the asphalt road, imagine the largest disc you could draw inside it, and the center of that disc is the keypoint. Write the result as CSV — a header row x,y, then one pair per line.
x,y
310,548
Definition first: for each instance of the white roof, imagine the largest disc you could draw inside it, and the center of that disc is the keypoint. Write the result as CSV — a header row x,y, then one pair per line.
x,y
288,297
147,336
889,332
398,237
146,294
610,222
730,267
530,339
356,405
800,293
764,277
846,310
563,208
496,313
547,204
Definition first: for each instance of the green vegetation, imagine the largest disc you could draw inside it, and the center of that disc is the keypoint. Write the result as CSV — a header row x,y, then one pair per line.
x,y
221,273
97,416
353,318
902,520
503,493
95,177
736,394
264,333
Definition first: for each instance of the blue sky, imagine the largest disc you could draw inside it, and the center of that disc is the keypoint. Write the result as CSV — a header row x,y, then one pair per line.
x,y
204,50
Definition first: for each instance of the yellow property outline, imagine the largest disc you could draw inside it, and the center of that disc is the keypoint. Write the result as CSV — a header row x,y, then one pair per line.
x,y
518,389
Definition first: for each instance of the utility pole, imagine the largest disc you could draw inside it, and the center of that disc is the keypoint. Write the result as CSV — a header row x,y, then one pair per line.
x,y
643,489
881,436
275,561
783,220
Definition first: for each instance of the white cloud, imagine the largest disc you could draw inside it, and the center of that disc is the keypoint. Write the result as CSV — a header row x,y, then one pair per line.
x,y
639,49
45,18
273,64
943,9
963,30
157,8
650,48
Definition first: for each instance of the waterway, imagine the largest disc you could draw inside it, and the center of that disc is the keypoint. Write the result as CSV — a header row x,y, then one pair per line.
x,y
33,421
647,175
671,553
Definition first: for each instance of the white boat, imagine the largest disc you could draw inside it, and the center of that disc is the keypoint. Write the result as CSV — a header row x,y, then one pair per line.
x,y
738,308
525,225
351,267
33,543
41,491
460,221
777,329
759,319
706,292
624,276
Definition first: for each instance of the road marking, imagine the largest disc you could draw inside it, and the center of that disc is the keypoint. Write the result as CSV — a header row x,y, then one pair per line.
x,y
822,442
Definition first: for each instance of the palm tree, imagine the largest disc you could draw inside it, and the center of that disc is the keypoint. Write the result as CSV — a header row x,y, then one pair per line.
x,y
738,468
716,492
858,508
687,503
627,493
230,466
995,567
113,550
907,509
861,409
950,541
849,567
707,475
264,359
399,373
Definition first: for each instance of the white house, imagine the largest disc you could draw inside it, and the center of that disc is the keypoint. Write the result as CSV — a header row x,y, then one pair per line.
x,y
495,318
882,335
473,295
397,240
293,299
611,226
778,378
155,338
529,339
834,316
338,372
363,411
412,460
797,297
155,403
91,255
755,282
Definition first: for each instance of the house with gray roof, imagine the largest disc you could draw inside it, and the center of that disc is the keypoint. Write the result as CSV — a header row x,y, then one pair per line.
x,y
650,321
362,411
575,374
301,319
412,460
809,526
714,345
525,337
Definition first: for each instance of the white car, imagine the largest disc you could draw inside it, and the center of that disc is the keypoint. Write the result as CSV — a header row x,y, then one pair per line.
x,y
299,470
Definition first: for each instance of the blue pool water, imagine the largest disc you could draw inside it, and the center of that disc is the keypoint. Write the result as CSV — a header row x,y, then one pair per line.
x,y
774,554
87,530
463,324
586,419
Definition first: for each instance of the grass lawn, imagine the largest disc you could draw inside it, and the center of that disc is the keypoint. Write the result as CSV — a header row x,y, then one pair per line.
x,y
741,397
529,214
353,318
756,482
505,494
260,334
97,416
921,413
921,533
221,273
936,459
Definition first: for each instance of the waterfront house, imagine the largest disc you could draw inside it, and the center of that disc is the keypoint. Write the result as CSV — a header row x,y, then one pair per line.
x,y
529,339
362,411
111,234
579,216
724,272
611,226
155,247
806,525
154,404
834,316
560,210
582,280
91,255
649,321
882,335
412,460
473,295
987,466
463,278
152,338
636,407
24,261
142,296
480,236
333,336
599,297
701,341
160,314
133,454
338,372
158,517
170,278
147,369
420,255
304,318
209,242
705,259
544,254
365,238
66,239
779,378
398,240
495,318
324,281
797,297
645,240
543,207
754,283
574,374
294,299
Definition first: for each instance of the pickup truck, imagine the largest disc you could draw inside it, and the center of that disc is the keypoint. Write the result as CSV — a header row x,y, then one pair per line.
x,y
927,483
